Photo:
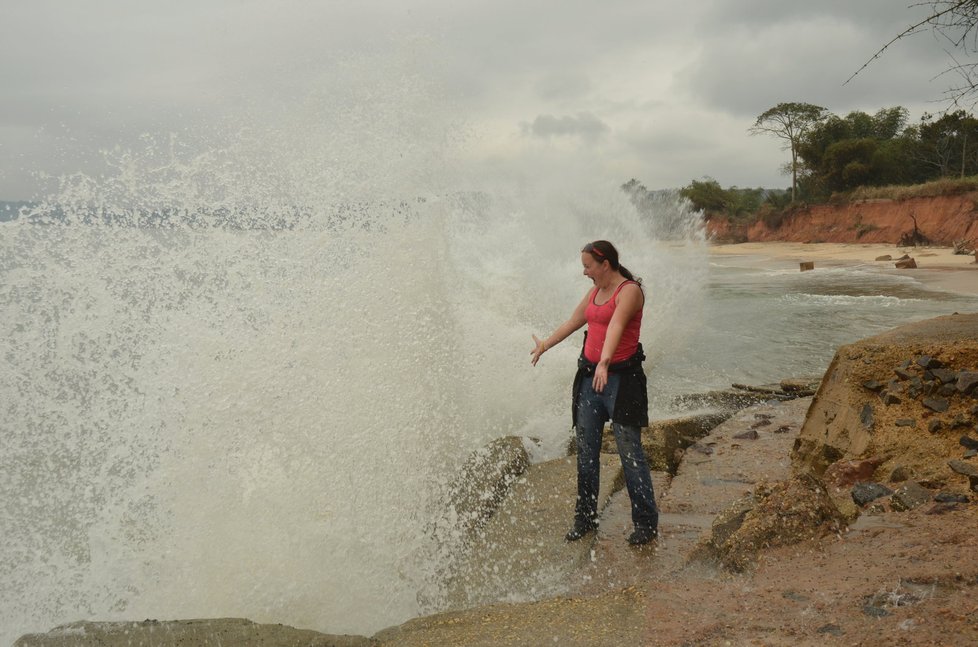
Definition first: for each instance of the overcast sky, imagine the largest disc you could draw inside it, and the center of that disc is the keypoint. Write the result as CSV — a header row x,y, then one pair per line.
x,y
659,91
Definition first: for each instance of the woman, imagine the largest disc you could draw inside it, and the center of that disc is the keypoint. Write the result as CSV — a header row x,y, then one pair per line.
x,y
610,384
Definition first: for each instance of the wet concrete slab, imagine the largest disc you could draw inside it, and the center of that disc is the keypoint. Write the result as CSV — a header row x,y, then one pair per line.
x,y
185,633
723,467
521,553
708,480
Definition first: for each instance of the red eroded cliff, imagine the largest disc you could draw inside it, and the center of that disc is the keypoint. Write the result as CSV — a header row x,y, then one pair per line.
x,y
942,219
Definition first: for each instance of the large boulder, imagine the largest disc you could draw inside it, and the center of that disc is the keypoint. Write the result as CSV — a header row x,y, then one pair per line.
x,y
895,398
484,480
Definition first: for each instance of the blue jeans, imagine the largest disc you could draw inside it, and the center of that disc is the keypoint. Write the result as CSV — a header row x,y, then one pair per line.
x,y
594,410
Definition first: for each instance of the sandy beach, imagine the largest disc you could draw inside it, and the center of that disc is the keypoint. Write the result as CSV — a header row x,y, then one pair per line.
x,y
937,267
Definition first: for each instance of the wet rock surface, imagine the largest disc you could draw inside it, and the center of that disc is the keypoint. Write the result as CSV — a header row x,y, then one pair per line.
x,y
521,554
484,481
910,496
865,493
186,633
780,514
739,396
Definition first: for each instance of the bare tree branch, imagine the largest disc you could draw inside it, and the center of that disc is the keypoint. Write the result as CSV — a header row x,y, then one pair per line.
x,y
957,22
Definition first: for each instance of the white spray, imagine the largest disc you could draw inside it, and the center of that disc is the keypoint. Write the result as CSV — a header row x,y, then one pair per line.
x,y
236,381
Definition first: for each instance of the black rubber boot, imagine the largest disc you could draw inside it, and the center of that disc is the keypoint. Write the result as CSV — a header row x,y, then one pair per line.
x,y
642,535
580,529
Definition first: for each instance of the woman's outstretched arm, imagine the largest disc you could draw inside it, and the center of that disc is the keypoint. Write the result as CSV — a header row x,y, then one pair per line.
x,y
576,321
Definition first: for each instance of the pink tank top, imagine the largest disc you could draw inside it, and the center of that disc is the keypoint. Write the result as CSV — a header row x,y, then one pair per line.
x,y
598,317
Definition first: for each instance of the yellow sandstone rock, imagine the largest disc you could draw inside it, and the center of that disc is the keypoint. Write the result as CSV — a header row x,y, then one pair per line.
x,y
876,399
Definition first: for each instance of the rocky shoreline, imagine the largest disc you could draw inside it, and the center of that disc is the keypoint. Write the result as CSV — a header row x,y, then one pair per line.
x,y
843,516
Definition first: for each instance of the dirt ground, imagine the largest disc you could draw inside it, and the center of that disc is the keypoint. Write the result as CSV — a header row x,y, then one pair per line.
x,y
889,579
898,579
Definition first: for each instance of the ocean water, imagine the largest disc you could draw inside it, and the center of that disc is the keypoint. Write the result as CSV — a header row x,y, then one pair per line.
x,y
763,320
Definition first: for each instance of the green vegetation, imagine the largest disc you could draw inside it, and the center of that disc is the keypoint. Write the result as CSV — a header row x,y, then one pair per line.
x,y
859,156
838,155
869,157
792,122
944,186
709,197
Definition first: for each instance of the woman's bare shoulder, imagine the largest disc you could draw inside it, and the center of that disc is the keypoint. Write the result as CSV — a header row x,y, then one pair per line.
x,y
631,292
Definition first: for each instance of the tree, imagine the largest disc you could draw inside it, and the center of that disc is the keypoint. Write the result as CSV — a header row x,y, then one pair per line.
x,y
841,153
706,195
890,122
849,164
956,22
948,145
790,122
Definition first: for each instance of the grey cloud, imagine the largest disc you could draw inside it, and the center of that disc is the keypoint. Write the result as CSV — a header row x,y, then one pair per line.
x,y
99,73
669,140
807,57
879,20
584,125
565,84
551,44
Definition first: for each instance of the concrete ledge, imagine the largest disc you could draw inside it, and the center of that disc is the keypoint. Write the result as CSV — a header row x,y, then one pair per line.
x,y
186,633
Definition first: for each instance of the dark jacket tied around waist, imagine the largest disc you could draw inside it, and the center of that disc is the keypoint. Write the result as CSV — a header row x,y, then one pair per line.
x,y
632,401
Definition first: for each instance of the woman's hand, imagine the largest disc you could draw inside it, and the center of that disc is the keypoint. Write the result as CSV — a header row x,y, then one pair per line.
x,y
539,349
600,377
576,321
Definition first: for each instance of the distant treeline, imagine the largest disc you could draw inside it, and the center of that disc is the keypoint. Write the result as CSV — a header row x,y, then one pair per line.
x,y
859,156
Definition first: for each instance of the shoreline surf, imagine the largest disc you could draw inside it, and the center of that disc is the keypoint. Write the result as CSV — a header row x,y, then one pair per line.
x,y
938,268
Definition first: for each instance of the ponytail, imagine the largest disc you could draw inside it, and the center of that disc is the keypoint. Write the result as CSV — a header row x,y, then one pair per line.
x,y
628,275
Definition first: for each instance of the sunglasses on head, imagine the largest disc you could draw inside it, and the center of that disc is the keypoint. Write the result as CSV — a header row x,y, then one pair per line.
x,y
591,249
